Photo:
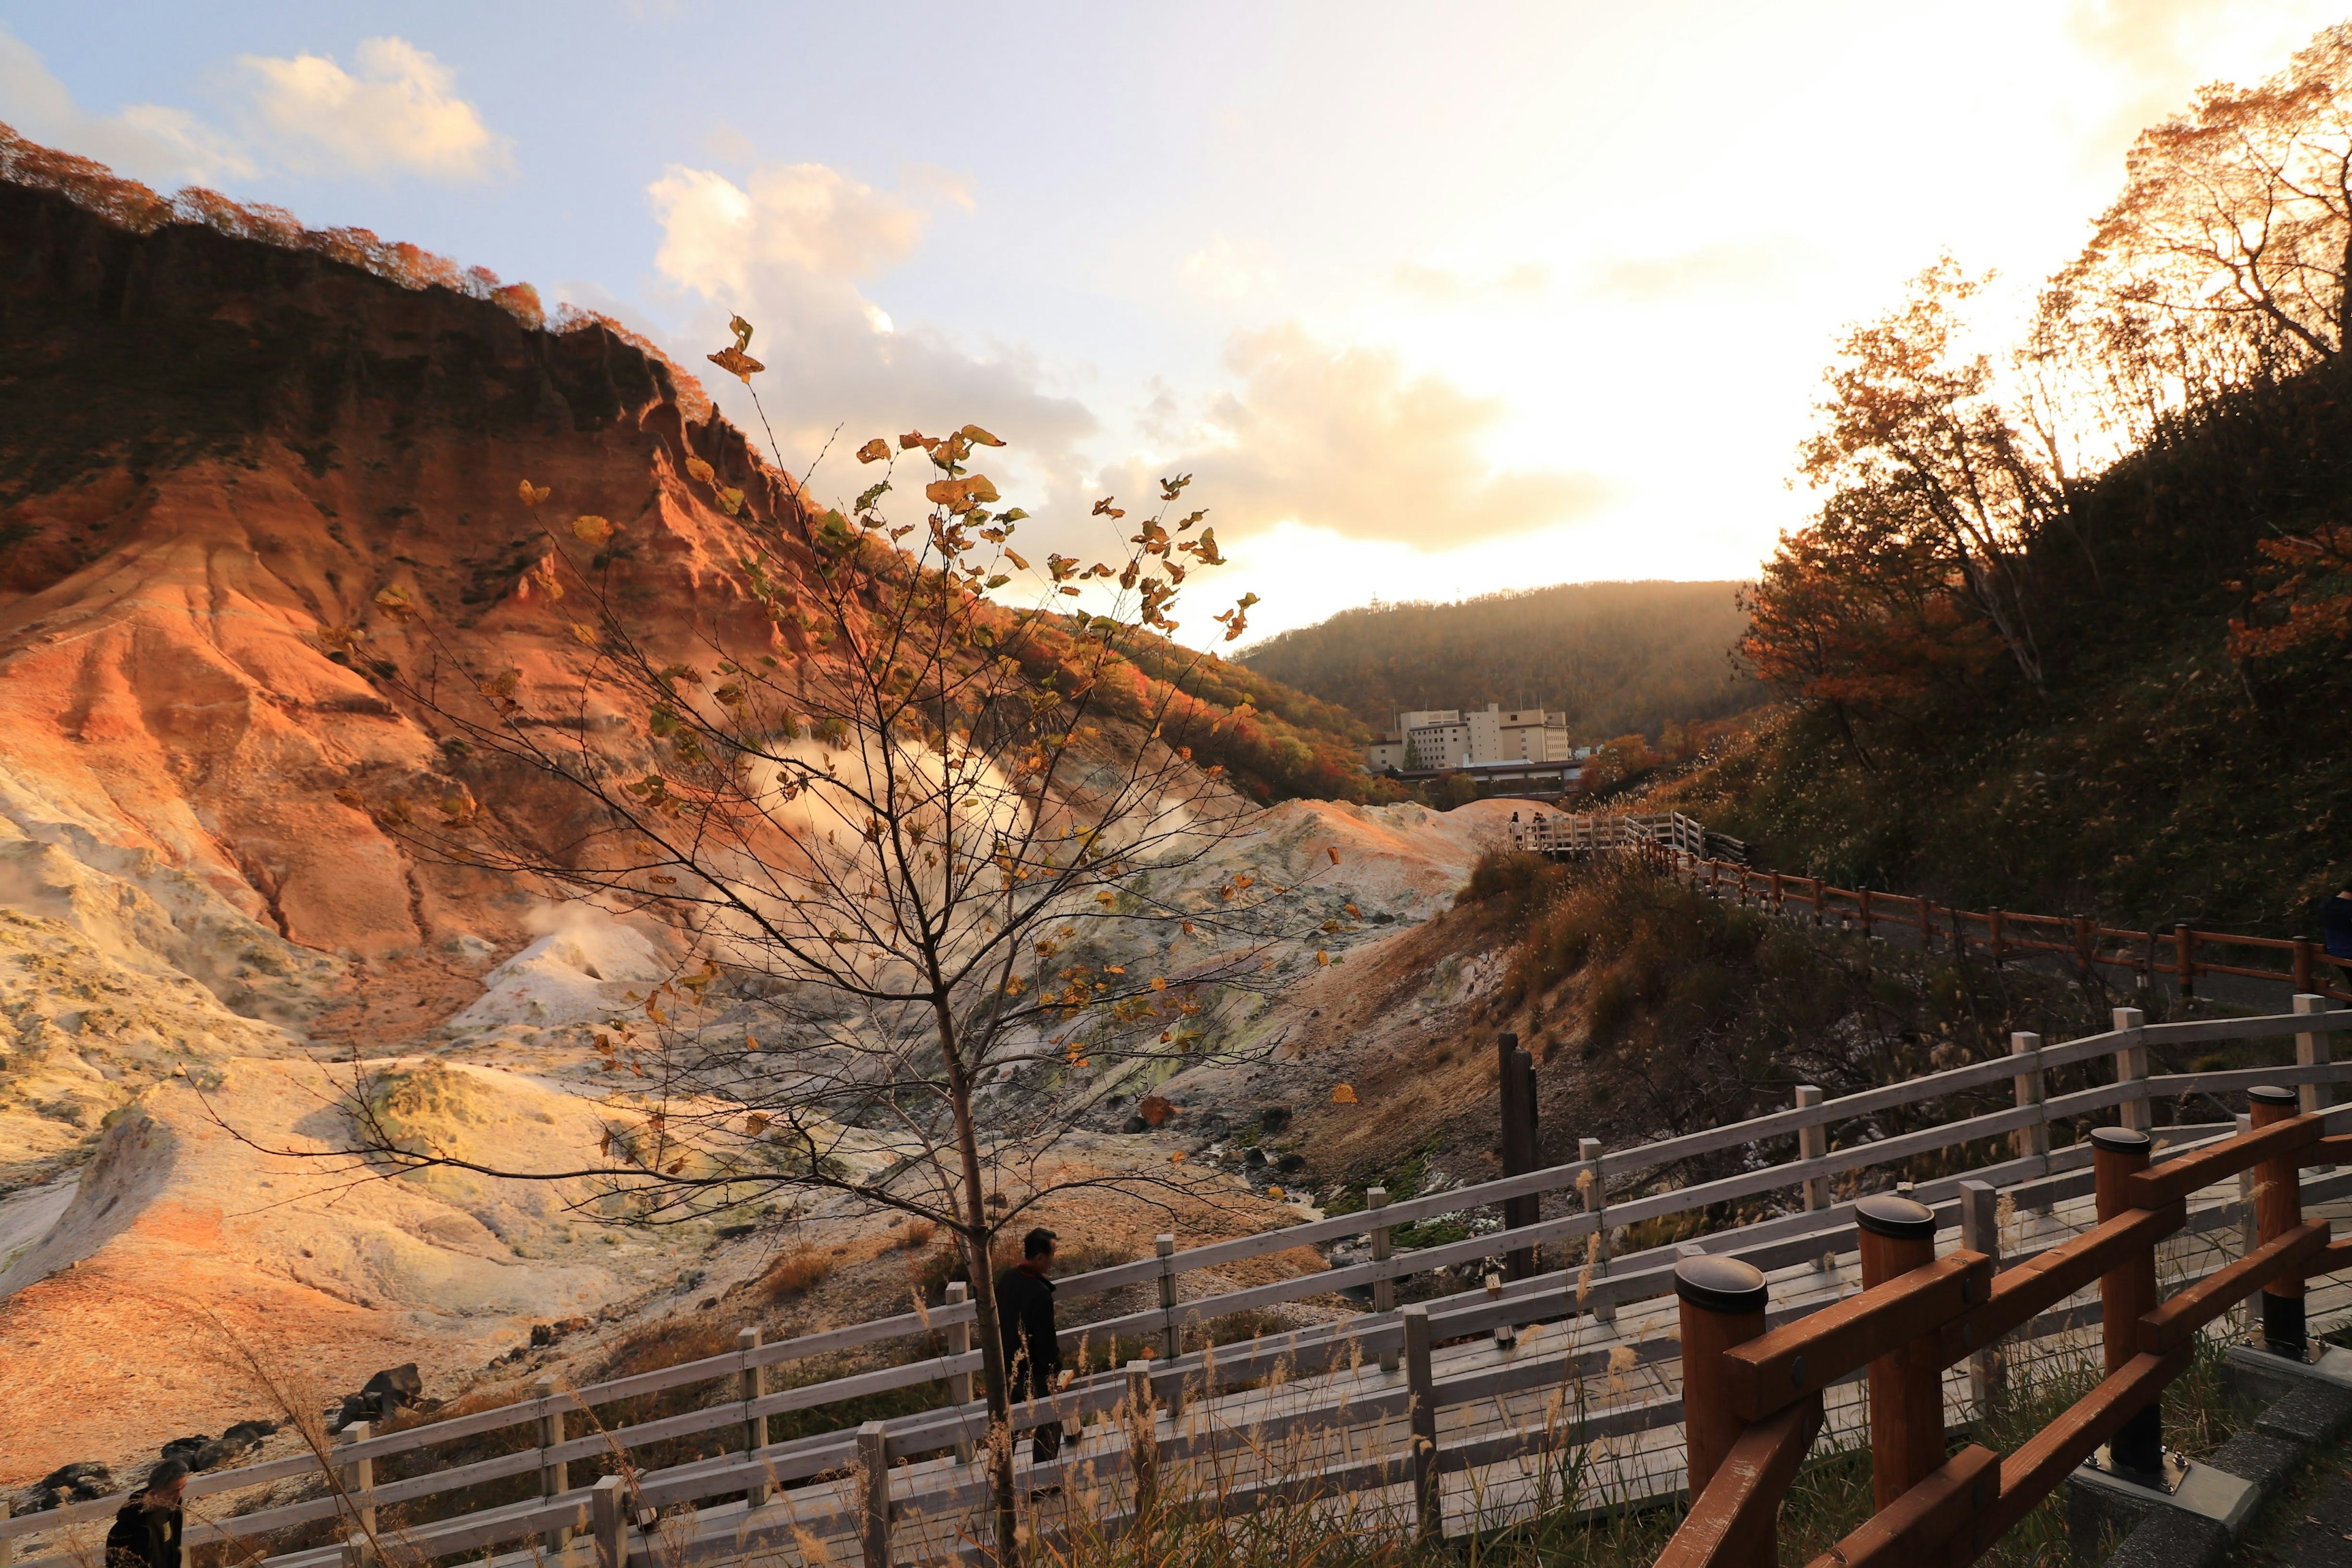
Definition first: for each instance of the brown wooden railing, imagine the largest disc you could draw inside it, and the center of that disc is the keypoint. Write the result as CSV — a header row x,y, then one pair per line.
x,y
1753,1399
2182,954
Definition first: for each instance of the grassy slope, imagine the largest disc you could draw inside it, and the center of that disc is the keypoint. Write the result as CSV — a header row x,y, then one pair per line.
x,y
1616,658
2154,780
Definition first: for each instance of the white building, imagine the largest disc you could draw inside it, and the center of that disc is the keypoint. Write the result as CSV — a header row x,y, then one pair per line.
x,y
1434,739
1531,735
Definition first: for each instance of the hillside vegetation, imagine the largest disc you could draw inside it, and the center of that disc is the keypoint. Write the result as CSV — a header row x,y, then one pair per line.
x,y
2070,630
1617,658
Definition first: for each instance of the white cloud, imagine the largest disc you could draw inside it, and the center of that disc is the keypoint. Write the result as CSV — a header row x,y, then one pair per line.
x,y
786,249
1746,266
1440,286
803,218
308,115
1347,439
1227,271
145,140
399,114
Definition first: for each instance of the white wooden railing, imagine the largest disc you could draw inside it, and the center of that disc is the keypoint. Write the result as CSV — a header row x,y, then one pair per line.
x,y
2030,1167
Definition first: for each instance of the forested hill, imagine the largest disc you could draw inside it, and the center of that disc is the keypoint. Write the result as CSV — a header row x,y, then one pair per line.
x,y
1617,658
2024,678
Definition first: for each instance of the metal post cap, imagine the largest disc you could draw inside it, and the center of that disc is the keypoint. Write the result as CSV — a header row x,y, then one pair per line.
x,y
1883,1213
1720,1284
2121,1140
2271,1094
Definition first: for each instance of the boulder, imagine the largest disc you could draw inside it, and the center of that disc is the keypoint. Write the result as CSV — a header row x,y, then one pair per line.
x,y
86,1481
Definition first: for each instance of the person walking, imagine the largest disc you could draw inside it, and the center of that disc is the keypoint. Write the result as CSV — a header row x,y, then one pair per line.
x,y
2335,931
146,1533
1032,1355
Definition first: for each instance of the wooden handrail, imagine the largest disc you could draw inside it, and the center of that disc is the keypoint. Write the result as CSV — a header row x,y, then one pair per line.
x,y
2051,1455
2081,936
2019,1293
2170,1325
1976,1491
1924,1518
2177,1178
1744,1497
1804,1357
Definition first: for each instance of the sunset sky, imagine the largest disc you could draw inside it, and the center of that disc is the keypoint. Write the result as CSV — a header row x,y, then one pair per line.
x,y
1432,300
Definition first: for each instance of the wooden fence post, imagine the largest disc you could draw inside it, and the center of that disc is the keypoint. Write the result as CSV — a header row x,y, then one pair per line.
x,y
610,1520
1776,896
755,1427
551,1472
2303,967
1814,1144
873,1464
1516,1072
1862,897
2032,1141
1993,937
1142,1448
2310,1052
358,1475
1981,1232
1383,1291
1421,1378
1721,1304
2278,1208
1596,1204
2184,960
2131,1067
959,1345
1896,1235
2125,1293
1164,1244
1927,923
2248,1232
1816,901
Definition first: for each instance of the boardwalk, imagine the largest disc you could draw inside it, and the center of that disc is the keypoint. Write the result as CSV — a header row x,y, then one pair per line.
x,y
1576,1403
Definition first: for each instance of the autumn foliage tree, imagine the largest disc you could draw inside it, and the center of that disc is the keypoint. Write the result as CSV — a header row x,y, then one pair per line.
x,y
1918,572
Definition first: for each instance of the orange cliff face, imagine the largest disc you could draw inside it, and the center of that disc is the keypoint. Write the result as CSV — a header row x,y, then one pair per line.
x,y
214,455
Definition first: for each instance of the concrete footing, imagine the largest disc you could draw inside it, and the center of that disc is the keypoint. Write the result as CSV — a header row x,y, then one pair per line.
x,y
2301,1406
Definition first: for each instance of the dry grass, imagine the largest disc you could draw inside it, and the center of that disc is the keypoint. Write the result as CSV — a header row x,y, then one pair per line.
x,y
795,1274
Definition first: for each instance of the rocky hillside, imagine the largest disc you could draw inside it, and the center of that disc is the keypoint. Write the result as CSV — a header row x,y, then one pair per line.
x,y
226,446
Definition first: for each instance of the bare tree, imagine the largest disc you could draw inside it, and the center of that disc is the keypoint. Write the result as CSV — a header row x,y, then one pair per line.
x,y
940,869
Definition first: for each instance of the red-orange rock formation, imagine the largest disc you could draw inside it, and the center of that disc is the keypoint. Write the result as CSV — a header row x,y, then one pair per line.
x,y
215,452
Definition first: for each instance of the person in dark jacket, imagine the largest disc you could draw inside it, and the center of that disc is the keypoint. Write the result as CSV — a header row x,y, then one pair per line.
x,y
1032,1355
146,1533
2335,931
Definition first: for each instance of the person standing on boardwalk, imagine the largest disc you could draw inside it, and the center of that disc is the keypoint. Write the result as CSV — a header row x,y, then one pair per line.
x,y
2335,931
1032,1355
146,1533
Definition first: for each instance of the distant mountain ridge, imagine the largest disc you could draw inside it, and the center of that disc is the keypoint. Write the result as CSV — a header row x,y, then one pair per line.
x,y
1616,658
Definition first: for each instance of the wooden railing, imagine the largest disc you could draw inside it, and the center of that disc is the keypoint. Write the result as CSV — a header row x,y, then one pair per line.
x,y
1752,1399
1829,1139
2183,954
1592,832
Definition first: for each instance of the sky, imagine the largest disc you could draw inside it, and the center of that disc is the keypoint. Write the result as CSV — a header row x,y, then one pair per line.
x,y
1431,300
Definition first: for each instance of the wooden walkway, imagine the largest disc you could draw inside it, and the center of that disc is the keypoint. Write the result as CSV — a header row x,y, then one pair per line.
x,y
1576,1403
